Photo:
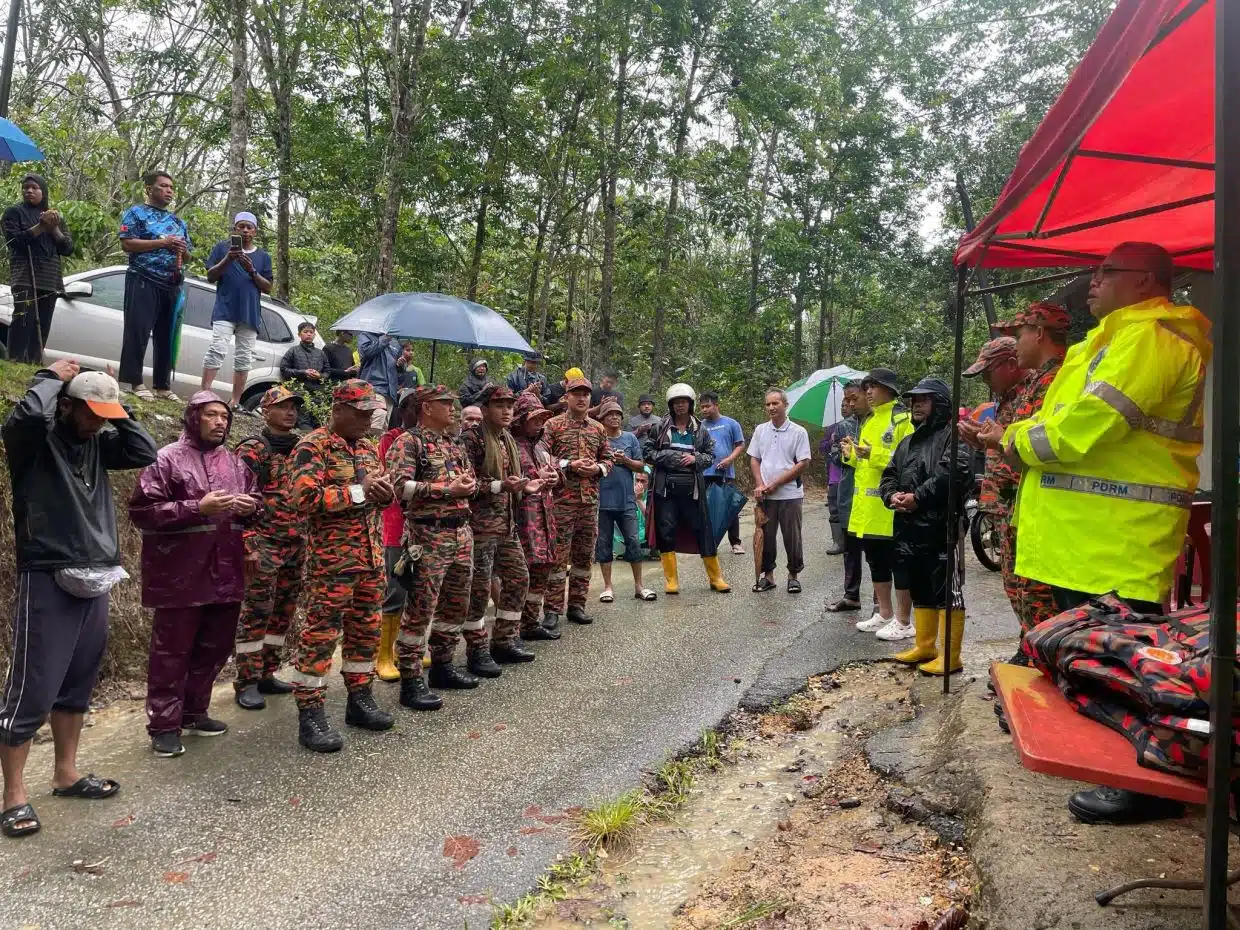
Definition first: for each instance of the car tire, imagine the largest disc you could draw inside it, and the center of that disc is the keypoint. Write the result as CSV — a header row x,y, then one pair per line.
x,y
252,396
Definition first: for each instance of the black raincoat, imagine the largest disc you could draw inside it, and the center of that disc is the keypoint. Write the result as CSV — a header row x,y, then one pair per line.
x,y
675,487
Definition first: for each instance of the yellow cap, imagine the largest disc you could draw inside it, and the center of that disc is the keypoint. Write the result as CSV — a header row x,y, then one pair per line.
x,y
574,373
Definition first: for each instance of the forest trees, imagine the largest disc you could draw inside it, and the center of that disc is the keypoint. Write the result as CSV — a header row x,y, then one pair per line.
x,y
730,192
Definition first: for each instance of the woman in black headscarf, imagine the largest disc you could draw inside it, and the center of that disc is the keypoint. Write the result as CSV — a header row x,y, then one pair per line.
x,y
475,383
37,237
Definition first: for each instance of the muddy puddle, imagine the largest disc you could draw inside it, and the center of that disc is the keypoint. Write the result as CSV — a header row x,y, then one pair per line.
x,y
791,832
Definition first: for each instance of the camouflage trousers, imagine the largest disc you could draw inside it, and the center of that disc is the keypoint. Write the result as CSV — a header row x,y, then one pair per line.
x,y
531,613
338,607
503,558
1031,599
576,527
441,594
271,595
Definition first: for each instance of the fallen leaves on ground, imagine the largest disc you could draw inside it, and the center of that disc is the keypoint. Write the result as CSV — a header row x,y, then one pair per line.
x,y
124,821
460,849
176,878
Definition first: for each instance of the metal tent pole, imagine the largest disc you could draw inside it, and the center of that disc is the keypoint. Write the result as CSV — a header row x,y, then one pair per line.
x,y
434,347
1225,423
953,492
966,208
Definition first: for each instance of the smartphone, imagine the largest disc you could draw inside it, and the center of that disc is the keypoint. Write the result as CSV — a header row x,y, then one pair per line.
x,y
236,242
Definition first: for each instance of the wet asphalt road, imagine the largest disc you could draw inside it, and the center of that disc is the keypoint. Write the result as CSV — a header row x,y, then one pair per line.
x,y
251,831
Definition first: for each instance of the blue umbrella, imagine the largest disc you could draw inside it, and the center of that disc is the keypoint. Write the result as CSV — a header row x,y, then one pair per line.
x,y
434,318
15,145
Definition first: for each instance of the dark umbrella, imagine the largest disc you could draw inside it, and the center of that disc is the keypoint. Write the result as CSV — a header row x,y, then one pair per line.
x,y
434,318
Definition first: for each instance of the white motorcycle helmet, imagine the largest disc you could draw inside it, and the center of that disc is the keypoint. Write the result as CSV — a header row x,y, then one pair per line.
x,y
681,390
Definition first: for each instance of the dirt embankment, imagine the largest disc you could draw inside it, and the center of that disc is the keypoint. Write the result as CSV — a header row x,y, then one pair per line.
x,y
130,623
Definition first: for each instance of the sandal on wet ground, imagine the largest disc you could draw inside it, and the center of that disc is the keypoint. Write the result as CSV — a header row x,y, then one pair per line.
x,y
22,814
166,394
645,594
843,605
607,596
794,586
764,584
90,788
141,392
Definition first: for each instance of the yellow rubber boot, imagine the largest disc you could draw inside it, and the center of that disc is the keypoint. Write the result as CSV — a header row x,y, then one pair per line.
x,y
385,661
926,623
671,573
715,574
936,667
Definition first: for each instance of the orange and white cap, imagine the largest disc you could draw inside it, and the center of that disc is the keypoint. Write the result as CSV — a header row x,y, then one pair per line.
x,y
100,392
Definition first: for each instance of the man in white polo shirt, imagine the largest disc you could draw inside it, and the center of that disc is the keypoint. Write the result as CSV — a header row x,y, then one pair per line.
x,y
778,454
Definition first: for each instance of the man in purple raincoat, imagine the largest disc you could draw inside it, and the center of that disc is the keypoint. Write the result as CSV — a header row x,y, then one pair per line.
x,y
189,506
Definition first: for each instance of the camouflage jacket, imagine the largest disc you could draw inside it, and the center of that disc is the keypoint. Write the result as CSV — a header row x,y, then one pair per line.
x,y
536,512
489,514
568,439
342,536
280,519
434,461
1030,400
1000,479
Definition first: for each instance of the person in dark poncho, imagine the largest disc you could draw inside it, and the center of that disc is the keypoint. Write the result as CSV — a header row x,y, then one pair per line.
x,y
474,384
37,238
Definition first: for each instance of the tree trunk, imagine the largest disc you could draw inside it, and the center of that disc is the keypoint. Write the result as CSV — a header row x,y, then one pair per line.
x,y
544,219
611,171
798,311
669,227
480,235
756,230
284,170
239,113
405,67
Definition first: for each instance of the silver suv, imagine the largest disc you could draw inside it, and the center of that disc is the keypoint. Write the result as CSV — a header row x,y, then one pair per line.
x,y
89,322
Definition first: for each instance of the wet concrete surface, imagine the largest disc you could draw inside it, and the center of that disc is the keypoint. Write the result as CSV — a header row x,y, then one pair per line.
x,y
249,830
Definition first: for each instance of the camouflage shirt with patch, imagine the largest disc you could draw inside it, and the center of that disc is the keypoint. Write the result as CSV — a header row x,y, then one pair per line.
x,y
280,519
434,460
490,514
567,440
999,481
342,536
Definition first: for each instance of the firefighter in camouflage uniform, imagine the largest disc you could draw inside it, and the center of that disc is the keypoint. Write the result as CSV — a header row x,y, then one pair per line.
x,y
275,550
578,447
434,480
536,512
339,484
1041,335
497,550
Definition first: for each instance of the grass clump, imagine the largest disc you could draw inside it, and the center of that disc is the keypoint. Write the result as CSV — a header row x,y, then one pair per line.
x,y
612,824
753,913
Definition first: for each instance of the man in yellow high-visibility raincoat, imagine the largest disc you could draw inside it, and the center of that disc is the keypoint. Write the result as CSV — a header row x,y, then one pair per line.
x,y
1110,461
871,521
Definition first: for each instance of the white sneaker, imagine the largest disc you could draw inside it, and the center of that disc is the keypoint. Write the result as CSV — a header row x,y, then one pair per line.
x,y
896,631
876,622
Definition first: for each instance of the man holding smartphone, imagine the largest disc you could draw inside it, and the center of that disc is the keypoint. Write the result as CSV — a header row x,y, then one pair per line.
x,y
241,273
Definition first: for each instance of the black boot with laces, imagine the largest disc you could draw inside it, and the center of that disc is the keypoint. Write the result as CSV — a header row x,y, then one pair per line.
x,y
315,733
362,711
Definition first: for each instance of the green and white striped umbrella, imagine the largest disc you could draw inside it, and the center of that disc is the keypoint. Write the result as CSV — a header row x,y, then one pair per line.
x,y
815,400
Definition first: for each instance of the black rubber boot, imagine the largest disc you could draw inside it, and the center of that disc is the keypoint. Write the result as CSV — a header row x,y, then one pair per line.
x,y
315,733
362,711
511,653
540,633
577,614
248,696
481,663
551,621
447,676
1119,806
416,694
270,684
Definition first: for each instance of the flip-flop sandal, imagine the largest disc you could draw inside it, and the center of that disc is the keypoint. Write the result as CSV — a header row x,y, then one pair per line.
x,y
143,393
90,788
763,584
166,394
843,606
645,594
21,813
794,586
606,597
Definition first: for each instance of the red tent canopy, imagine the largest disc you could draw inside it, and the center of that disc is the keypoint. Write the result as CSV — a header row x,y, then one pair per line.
x,y
1126,152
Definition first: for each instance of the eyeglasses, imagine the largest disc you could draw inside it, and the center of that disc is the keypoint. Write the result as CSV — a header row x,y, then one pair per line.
x,y
1103,271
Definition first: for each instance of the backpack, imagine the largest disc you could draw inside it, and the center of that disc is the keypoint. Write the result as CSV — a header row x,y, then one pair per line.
x,y
1146,677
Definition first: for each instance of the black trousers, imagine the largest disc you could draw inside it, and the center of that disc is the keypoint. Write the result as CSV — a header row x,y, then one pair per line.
x,y
32,321
149,310
852,568
734,528
1066,599
679,509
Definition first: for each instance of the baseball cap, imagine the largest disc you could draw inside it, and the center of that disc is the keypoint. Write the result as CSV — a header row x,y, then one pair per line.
x,y
609,406
279,394
435,392
495,392
577,384
992,353
100,392
358,394
1040,313
574,373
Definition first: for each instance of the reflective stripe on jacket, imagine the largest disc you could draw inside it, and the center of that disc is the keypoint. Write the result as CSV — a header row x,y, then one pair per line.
x,y
882,432
1110,461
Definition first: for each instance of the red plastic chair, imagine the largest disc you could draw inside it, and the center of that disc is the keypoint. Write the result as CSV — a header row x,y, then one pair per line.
x,y
1192,568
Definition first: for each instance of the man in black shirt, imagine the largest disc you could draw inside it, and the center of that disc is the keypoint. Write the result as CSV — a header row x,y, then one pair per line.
x,y
339,352
606,388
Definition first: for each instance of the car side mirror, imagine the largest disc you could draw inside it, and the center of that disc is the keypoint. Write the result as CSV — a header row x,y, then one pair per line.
x,y
78,289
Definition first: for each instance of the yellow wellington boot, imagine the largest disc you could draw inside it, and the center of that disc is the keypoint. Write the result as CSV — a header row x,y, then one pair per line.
x,y
926,623
671,573
936,667
385,661
426,660
715,574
